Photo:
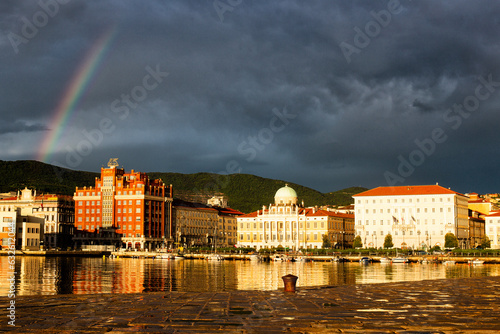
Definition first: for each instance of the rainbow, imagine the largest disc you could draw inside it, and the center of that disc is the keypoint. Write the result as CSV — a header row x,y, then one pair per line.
x,y
75,91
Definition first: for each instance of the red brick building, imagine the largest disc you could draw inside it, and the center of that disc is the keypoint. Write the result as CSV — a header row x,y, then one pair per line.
x,y
134,206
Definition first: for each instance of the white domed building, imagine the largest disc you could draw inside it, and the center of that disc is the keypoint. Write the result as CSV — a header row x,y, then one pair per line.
x,y
288,224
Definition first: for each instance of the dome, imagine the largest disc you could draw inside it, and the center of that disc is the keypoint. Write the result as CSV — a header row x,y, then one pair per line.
x,y
285,195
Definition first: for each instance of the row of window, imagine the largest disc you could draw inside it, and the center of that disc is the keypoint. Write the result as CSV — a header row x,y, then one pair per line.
x,y
396,222
403,210
275,225
409,200
399,233
137,202
278,237
31,242
31,230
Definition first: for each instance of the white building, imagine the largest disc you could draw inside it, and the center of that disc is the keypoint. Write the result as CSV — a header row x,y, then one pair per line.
x,y
415,216
23,231
492,228
55,212
288,224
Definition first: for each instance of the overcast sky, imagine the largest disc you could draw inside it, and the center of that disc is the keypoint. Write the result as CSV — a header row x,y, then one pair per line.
x,y
327,94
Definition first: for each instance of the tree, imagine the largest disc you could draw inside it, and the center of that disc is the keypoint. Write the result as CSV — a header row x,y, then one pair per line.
x,y
485,242
326,241
450,241
357,243
388,241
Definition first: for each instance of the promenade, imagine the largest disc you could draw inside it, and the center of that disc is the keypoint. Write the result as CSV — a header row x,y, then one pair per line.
x,y
466,305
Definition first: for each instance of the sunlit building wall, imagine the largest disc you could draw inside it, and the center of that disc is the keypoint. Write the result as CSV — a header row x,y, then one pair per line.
x,y
54,212
288,224
493,229
415,216
138,208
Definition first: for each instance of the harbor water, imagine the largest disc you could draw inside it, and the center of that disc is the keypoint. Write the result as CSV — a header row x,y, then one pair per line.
x,y
77,275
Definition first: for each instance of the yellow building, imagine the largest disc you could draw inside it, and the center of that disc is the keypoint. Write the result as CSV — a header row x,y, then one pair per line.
x,y
288,224
51,214
482,205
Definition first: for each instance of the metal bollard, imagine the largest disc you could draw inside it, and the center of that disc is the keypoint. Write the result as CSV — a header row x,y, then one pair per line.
x,y
290,282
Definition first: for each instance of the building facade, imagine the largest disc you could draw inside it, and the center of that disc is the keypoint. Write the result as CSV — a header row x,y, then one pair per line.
x,y
493,229
476,229
415,216
227,227
54,213
289,225
484,205
195,224
138,208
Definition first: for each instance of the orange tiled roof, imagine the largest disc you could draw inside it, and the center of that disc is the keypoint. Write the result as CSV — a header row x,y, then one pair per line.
x,y
251,214
407,190
494,214
307,211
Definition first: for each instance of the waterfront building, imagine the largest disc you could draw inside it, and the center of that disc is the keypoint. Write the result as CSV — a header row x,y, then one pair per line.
x,y
138,208
415,216
484,205
51,214
194,223
492,227
226,234
197,224
476,229
290,225
219,201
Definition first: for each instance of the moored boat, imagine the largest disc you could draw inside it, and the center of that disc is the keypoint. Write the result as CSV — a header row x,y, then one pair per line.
x,y
215,257
166,256
385,260
254,257
399,259
476,261
278,258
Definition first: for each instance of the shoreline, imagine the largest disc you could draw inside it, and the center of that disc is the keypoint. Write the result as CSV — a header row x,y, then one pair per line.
x,y
246,257
461,305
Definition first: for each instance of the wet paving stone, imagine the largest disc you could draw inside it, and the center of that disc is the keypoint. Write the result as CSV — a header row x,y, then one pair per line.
x,y
469,305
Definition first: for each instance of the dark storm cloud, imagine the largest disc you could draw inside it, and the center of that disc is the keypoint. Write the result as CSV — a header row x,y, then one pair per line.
x,y
21,126
228,71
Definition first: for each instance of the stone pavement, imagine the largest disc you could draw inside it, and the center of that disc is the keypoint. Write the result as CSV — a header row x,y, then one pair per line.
x,y
470,305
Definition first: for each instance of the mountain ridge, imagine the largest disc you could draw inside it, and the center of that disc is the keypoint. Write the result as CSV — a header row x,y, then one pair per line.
x,y
245,192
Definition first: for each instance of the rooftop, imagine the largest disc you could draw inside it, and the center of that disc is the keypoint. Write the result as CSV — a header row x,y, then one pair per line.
x,y
407,190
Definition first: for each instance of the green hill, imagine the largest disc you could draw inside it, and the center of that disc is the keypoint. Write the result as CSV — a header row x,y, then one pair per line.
x,y
16,175
245,192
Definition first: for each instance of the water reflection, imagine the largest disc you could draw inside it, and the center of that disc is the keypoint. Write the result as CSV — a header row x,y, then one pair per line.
x,y
49,276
